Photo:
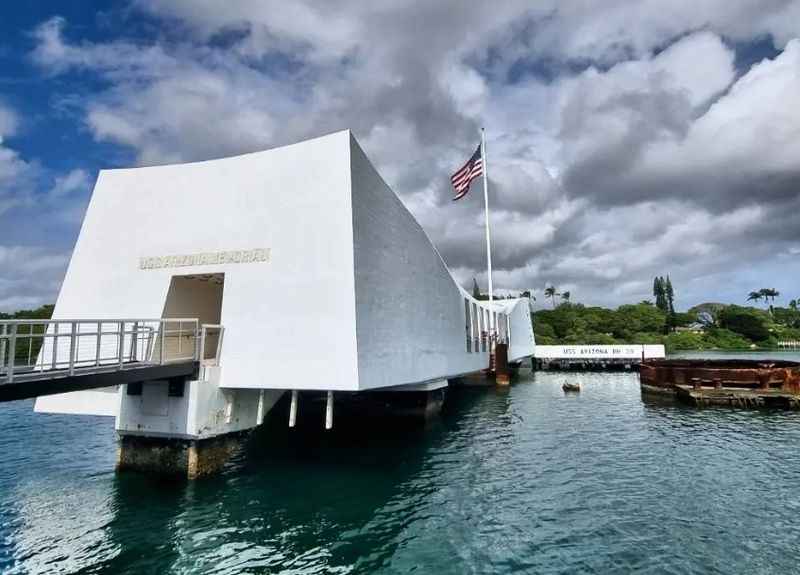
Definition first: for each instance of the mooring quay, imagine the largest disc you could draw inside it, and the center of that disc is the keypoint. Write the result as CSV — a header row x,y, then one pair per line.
x,y
199,294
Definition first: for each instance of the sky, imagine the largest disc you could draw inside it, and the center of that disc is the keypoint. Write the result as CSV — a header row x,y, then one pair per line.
x,y
625,138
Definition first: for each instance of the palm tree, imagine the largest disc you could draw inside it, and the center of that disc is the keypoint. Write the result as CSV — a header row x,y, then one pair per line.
x,y
794,304
754,296
550,292
565,296
769,294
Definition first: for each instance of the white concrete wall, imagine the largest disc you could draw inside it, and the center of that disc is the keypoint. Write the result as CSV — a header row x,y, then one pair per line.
x,y
522,343
214,410
626,351
410,312
205,410
290,322
153,412
103,401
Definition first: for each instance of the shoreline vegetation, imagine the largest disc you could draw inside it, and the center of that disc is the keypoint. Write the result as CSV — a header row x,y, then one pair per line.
x,y
42,312
704,327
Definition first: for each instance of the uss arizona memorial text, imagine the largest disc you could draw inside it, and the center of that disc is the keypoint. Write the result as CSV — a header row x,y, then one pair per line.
x,y
227,257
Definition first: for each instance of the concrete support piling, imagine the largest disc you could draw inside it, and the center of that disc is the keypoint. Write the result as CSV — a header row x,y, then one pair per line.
x,y
293,409
329,411
260,414
189,431
177,458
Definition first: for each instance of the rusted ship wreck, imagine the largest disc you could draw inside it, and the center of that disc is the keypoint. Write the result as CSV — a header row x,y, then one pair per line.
x,y
736,382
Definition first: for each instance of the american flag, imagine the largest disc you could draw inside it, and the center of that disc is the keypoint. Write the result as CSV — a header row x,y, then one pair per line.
x,y
465,174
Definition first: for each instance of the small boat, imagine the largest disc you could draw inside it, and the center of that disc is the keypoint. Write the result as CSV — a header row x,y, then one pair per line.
x,y
571,387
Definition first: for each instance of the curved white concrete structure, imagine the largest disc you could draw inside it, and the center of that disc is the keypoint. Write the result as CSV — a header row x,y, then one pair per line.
x,y
321,277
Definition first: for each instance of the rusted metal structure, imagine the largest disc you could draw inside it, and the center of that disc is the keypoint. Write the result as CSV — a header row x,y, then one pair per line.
x,y
730,382
498,364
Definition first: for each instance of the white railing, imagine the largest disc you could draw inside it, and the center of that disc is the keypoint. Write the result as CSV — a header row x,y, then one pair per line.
x,y
211,343
29,349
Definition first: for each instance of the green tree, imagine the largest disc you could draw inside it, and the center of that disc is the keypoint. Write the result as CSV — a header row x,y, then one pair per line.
x,y
754,296
43,312
659,292
683,319
662,290
544,332
685,340
772,293
769,294
638,318
719,338
746,322
787,317
565,296
550,291
669,294
27,347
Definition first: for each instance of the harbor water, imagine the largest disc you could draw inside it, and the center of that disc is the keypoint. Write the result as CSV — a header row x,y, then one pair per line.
x,y
524,479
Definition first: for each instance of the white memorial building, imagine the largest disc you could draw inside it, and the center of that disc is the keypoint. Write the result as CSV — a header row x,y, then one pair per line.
x,y
319,276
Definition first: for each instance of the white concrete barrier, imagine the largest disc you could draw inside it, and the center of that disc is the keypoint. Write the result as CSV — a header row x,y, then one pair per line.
x,y
599,352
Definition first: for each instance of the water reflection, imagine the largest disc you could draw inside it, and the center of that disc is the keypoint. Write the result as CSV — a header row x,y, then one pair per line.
x,y
60,527
295,501
519,479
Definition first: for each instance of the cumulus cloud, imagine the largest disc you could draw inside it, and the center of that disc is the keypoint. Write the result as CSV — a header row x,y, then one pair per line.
x,y
15,173
8,122
623,142
69,183
616,30
610,120
742,148
35,205
37,275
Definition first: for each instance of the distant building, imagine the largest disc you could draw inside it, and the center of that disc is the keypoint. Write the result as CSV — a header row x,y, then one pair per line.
x,y
695,327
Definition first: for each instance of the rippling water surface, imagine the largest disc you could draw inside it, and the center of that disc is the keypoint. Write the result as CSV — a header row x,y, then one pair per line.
x,y
524,479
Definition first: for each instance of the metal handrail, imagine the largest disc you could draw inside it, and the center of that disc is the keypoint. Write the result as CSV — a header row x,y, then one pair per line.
x,y
54,345
104,320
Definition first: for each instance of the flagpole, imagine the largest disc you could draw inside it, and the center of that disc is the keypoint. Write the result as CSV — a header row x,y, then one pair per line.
x,y
488,235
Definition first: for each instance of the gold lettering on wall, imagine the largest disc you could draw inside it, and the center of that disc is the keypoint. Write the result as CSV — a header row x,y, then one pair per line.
x,y
202,259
